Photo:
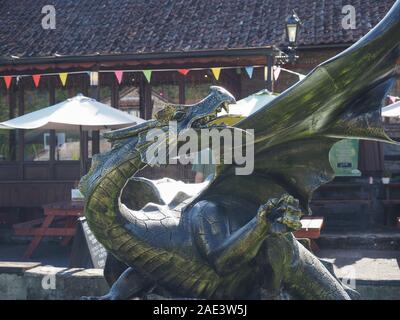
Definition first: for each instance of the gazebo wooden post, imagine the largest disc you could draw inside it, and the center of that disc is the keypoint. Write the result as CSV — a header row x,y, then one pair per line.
x,y
95,133
270,79
52,140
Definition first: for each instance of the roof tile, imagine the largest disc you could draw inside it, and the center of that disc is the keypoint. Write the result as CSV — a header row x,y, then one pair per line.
x,y
85,27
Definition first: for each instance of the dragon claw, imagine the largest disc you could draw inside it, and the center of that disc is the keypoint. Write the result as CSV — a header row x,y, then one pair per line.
x,y
283,214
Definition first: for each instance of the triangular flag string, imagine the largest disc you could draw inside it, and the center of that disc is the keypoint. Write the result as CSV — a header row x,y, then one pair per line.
x,y
249,71
147,74
36,79
216,72
7,80
119,74
63,77
94,75
183,71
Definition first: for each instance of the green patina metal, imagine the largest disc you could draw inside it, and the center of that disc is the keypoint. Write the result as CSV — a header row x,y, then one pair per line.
x,y
234,240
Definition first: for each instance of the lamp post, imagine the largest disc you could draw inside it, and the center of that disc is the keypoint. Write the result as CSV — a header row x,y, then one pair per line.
x,y
293,24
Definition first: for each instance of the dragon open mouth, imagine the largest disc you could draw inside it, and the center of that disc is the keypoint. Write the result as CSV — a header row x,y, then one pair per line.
x,y
203,121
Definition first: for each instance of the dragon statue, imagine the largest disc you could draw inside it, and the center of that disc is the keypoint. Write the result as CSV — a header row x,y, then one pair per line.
x,y
234,240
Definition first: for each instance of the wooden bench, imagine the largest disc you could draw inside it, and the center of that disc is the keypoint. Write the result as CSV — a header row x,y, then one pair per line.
x,y
363,188
59,221
391,203
310,229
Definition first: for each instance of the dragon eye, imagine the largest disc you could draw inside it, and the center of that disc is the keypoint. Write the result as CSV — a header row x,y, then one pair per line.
x,y
179,115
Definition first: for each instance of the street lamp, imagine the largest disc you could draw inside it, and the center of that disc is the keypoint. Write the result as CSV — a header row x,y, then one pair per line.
x,y
292,27
293,24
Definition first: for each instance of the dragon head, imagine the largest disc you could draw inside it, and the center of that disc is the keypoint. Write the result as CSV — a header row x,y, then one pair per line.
x,y
200,115
197,115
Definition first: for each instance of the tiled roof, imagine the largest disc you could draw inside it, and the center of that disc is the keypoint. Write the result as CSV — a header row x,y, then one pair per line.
x,y
85,27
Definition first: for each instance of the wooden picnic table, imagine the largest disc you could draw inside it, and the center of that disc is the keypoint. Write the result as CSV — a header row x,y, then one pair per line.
x,y
310,229
59,221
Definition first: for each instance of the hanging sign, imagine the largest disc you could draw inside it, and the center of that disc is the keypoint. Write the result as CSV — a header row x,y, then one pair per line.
x,y
343,157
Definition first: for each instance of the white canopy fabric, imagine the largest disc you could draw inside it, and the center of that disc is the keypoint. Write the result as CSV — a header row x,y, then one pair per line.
x,y
392,110
72,114
250,104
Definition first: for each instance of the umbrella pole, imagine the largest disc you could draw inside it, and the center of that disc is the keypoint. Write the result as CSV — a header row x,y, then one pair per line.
x,y
81,153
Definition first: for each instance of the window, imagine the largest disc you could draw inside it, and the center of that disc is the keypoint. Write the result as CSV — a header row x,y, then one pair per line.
x,y
105,97
128,91
71,89
67,145
163,95
6,148
197,86
68,141
35,140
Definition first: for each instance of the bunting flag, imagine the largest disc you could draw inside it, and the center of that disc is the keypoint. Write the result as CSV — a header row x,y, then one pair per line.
x,y
183,71
63,77
95,75
393,99
301,76
265,73
216,72
7,80
147,74
36,79
249,71
119,74
277,72
94,78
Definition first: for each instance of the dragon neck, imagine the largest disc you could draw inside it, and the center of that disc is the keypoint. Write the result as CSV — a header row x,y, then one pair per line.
x,y
103,184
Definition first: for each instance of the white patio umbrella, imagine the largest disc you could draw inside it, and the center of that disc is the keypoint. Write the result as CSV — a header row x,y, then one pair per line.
x,y
77,113
250,104
245,107
392,110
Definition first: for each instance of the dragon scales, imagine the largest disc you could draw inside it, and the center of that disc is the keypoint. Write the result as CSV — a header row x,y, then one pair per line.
x,y
234,239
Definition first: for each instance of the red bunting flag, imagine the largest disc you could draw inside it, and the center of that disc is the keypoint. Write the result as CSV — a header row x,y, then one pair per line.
x,y
7,80
183,71
36,79
119,74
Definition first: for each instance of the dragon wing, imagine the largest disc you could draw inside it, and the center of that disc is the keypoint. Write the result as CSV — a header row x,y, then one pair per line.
x,y
293,134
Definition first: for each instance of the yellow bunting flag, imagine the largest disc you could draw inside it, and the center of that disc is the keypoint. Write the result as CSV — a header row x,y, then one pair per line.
x,y
147,74
216,72
63,77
